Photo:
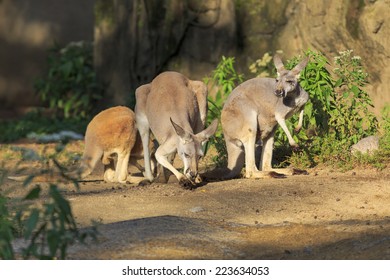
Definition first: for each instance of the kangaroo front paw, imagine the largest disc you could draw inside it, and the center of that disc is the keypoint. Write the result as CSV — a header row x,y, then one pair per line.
x,y
187,184
296,147
144,182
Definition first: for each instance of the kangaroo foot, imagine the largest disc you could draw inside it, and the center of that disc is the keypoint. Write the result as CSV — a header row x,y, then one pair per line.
x,y
187,184
296,171
144,182
276,175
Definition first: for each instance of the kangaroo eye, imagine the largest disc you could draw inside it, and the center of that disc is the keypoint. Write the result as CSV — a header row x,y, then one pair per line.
x,y
291,82
199,157
186,155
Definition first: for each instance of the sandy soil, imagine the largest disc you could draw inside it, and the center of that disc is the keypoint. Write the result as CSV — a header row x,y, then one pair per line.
x,y
323,215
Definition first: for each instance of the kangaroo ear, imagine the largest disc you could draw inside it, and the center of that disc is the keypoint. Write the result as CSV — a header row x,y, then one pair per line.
x,y
278,64
297,69
184,135
204,135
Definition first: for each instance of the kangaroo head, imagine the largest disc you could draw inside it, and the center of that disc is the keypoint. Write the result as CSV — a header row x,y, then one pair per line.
x,y
287,80
189,148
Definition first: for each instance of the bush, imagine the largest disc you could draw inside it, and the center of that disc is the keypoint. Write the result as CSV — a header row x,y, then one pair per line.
x,y
40,124
70,87
45,221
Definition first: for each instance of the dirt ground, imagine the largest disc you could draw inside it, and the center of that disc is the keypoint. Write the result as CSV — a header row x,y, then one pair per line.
x,y
323,215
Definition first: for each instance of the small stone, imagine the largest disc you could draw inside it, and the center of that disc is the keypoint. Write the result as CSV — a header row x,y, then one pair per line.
x,y
197,209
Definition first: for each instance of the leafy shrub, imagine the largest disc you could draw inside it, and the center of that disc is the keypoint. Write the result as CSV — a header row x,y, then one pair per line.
x,y
6,226
350,116
223,80
45,221
70,87
40,124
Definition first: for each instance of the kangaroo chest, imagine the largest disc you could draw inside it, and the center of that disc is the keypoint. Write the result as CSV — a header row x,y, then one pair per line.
x,y
285,107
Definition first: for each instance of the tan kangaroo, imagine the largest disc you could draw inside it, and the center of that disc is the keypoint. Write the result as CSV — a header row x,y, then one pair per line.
x,y
112,131
253,110
174,108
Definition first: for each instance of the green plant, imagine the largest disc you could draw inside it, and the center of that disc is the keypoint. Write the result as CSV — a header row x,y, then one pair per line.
x,y
6,225
223,80
385,127
70,87
350,116
44,220
40,124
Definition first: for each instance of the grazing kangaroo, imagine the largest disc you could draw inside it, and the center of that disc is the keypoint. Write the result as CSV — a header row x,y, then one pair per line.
x,y
174,108
112,131
253,110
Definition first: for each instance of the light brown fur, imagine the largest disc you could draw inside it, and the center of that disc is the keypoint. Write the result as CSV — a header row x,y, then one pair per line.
x,y
112,131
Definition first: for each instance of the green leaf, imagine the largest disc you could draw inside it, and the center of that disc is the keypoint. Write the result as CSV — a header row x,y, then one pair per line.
x,y
66,68
338,82
33,194
355,90
53,240
31,222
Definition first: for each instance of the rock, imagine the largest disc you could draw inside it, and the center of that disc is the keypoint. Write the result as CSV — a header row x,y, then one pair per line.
x,y
366,146
197,209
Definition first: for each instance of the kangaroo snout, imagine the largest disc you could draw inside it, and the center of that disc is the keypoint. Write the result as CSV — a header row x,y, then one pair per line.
x,y
280,92
193,176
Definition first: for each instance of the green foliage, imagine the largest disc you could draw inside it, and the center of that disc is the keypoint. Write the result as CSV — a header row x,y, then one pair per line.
x,y
383,155
350,116
44,220
6,225
38,123
385,126
70,87
224,79
50,228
